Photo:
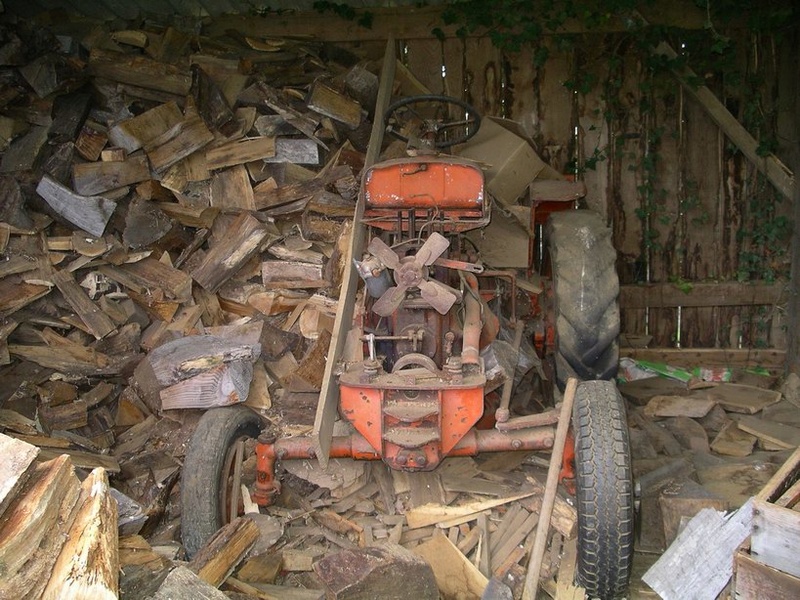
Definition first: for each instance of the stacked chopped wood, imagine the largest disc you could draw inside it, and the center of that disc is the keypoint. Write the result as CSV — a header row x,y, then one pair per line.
x,y
58,535
174,215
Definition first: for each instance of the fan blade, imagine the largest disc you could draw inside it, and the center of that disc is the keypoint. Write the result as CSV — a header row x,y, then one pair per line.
x,y
438,295
390,301
377,247
432,249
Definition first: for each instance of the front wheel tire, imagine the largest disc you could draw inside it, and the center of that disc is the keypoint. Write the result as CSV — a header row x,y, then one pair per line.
x,y
208,469
604,487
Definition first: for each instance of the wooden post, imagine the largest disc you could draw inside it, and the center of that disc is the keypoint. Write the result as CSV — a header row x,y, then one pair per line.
x,y
329,395
550,488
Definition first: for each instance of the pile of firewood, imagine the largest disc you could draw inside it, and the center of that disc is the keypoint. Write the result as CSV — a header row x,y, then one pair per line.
x,y
174,215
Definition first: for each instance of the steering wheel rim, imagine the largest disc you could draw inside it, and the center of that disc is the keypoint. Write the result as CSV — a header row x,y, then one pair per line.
x,y
470,125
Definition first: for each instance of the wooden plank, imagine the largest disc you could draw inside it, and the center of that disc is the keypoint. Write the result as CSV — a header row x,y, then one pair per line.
x,y
98,322
329,394
754,580
779,175
728,293
416,22
456,577
739,398
784,436
94,178
709,357
698,564
550,490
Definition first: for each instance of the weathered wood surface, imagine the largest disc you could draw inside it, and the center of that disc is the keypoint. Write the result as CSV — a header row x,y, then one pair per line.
x,y
88,565
15,469
90,213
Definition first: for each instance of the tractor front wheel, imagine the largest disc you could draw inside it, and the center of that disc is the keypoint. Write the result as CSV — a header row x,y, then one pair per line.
x,y
604,488
209,472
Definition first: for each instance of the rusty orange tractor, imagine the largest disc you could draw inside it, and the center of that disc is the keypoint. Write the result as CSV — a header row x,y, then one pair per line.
x,y
430,325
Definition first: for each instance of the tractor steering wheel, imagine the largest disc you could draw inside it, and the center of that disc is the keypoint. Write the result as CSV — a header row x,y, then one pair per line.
x,y
439,121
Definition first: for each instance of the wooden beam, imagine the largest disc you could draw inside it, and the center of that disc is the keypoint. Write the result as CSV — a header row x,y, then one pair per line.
x,y
779,174
329,394
408,22
709,357
726,293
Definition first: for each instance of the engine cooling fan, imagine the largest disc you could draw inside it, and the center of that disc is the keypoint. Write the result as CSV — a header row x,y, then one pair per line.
x,y
412,272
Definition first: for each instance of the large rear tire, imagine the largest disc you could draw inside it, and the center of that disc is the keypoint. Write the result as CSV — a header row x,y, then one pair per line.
x,y
207,470
585,291
604,489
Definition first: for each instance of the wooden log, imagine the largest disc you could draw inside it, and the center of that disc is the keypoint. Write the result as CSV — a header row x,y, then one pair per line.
x,y
225,550
223,385
64,416
240,152
211,102
331,103
90,213
137,131
177,143
18,465
92,138
88,566
240,241
139,71
308,375
183,358
16,294
93,178
97,322
34,528
145,224
148,275
683,500
231,190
